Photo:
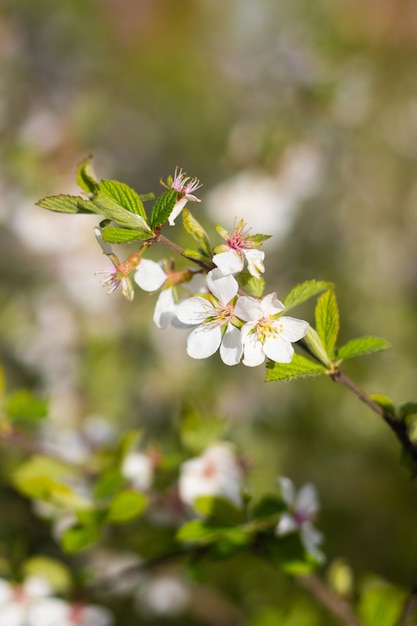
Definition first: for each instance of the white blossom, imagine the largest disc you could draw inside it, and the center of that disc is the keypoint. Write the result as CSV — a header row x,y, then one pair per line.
x,y
184,186
165,595
214,473
238,247
212,319
151,276
137,467
303,507
267,333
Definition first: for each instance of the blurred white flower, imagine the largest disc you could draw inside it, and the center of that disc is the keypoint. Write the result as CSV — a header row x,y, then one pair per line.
x,y
138,469
265,334
303,507
165,596
20,604
210,317
214,473
56,612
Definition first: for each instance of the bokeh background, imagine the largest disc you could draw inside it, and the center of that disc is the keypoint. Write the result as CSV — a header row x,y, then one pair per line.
x,y
300,117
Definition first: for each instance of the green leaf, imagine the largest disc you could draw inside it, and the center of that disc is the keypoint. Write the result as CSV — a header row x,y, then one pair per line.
x,y
23,405
230,542
327,321
406,409
55,572
194,228
299,366
251,284
67,204
112,234
111,209
384,402
198,531
219,510
124,196
197,256
108,484
380,605
269,505
302,292
126,505
162,208
258,239
360,346
79,537
86,177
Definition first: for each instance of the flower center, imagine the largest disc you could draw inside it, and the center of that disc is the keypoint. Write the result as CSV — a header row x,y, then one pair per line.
x,y
217,316
267,328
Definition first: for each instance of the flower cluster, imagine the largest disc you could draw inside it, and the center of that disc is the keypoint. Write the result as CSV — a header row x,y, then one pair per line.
x,y
222,315
32,604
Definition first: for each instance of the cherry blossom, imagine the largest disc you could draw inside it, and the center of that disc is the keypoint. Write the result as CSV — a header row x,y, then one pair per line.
x,y
303,507
267,333
137,467
184,186
213,319
238,246
214,473
27,604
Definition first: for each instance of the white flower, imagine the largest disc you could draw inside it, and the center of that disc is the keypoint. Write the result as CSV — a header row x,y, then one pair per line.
x,y
213,320
150,276
184,186
138,469
165,596
303,509
54,612
266,334
215,473
238,246
18,603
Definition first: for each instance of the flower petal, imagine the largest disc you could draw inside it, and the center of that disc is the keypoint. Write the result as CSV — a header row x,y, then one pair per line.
x,y
203,341
278,350
223,287
288,491
229,262
194,310
149,275
306,500
292,329
252,348
255,261
165,309
231,347
178,207
270,305
248,309
312,538
286,524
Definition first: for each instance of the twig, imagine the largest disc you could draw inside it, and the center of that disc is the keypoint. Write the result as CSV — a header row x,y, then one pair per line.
x,y
398,426
328,598
410,607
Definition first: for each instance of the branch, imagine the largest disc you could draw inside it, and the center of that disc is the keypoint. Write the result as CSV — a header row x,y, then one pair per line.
x,y
398,427
410,608
329,599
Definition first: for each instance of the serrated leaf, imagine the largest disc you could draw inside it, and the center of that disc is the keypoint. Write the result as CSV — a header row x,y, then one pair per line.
x,y
86,177
66,204
258,239
252,285
194,228
124,196
327,321
360,346
162,208
55,572
299,367
109,208
304,291
384,402
79,538
219,510
380,605
23,405
112,234
126,505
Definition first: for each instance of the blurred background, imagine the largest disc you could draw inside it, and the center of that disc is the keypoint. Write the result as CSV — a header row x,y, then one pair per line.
x,y
300,117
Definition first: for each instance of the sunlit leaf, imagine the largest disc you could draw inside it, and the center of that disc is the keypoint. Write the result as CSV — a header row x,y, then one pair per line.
x,y
360,346
304,291
219,510
194,228
126,505
79,537
55,572
111,234
86,177
111,209
327,321
23,405
67,204
123,195
380,605
299,367
384,402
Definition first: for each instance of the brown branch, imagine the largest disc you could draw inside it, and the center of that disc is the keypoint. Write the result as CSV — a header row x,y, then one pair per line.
x,y
398,426
328,598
